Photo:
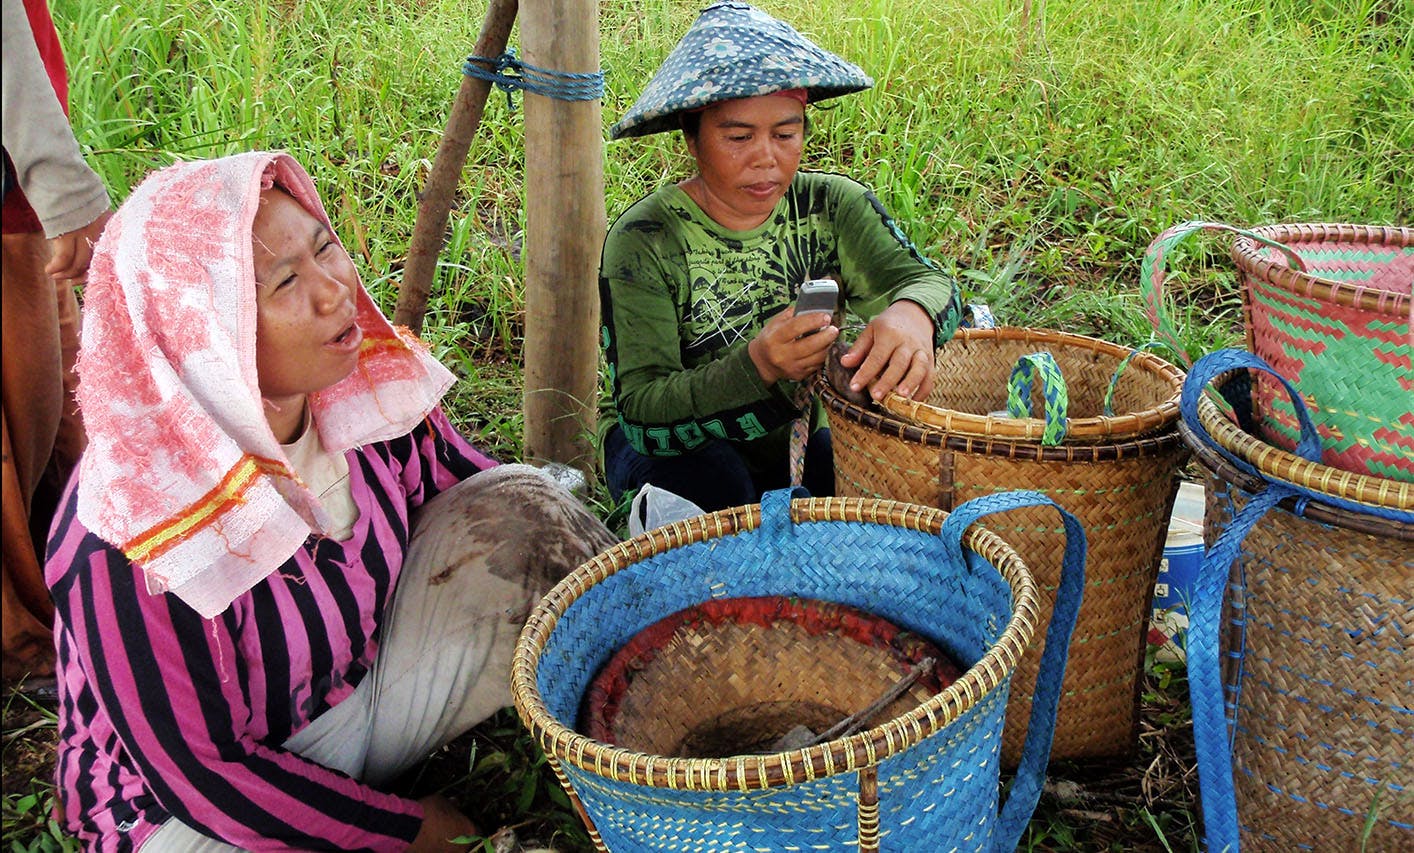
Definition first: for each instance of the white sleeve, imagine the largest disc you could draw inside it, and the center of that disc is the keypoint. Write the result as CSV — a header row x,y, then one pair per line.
x,y
49,167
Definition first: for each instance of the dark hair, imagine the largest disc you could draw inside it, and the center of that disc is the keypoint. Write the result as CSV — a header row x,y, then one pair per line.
x,y
691,122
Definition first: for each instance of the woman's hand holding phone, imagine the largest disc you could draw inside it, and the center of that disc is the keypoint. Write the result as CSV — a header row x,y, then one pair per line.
x,y
817,296
790,345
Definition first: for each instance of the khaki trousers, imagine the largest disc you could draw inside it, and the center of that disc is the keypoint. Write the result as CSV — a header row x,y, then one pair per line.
x,y
482,554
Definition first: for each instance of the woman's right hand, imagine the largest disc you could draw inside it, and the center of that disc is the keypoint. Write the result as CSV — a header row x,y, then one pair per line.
x,y
441,822
71,253
785,348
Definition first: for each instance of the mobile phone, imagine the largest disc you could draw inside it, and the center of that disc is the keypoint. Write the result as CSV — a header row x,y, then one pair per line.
x,y
817,295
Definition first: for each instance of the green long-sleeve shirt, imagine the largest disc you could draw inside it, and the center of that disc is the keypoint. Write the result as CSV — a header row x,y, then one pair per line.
x,y
682,296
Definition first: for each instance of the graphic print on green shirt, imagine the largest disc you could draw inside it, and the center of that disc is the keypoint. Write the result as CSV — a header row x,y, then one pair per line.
x,y
682,297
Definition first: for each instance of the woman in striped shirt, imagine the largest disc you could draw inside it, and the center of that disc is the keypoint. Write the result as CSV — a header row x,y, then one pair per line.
x,y
281,576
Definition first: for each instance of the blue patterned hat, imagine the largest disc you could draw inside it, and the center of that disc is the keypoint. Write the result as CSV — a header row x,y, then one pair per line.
x,y
736,51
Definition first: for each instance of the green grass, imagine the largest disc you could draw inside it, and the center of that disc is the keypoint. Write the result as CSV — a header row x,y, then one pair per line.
x,y
1041,158
26,809
1035,157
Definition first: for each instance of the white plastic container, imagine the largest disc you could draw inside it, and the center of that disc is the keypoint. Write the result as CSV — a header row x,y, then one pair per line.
x,y
1178,573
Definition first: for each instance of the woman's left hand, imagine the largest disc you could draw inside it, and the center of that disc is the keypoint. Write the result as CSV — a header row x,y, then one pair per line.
x,y
894,353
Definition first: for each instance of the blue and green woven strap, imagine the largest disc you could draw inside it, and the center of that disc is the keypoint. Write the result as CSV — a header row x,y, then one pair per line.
x,y
1057,397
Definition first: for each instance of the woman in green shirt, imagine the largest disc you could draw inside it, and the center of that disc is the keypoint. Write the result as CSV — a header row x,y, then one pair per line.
x,y
705,354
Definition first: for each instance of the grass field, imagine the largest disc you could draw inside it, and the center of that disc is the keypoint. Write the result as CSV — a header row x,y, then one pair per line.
x,y
1035,147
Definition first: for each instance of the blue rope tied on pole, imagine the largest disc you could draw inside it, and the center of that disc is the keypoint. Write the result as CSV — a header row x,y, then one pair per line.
x,y
509,73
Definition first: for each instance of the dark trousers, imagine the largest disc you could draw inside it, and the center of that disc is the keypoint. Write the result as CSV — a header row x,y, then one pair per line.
x,y
714,476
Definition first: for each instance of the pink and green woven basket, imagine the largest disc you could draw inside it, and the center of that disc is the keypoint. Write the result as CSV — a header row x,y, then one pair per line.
x,y
1329,306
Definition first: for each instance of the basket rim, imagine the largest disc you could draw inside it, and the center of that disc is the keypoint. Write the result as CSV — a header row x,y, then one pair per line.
x,y
1029,451
1246,253
1314,510
782,769
1287,467
1032,429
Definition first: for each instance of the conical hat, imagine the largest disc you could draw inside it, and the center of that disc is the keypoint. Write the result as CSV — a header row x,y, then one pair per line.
x,y
736,51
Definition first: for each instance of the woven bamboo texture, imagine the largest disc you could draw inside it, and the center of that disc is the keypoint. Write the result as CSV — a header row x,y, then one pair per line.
x,y
1322,742
1144,398
1331,308
734,676
1287,467
1122,492
1341,330
926,778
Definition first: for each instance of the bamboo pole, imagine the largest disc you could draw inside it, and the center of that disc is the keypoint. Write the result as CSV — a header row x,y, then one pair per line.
x,y
436,200
565,223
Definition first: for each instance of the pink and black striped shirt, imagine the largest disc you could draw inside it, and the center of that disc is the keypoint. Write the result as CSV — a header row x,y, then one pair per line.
x,y
163,714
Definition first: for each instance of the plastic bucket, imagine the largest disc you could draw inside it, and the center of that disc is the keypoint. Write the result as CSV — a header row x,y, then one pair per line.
x,y
1178,572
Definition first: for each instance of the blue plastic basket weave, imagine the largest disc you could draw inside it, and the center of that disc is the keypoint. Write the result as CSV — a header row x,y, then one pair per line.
x,y
1300,657
927,780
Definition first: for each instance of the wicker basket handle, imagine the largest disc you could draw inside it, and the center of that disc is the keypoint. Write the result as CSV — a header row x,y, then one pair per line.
x,y
776,524
1053,389
1109,403
1213,727
1212,366
1151,273
1036,752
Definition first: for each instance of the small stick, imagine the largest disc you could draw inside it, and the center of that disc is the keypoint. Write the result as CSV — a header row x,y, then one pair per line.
x,y
435,201
854,722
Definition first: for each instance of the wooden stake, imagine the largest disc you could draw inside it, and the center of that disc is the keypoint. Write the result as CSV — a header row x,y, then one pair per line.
x,y
565,223
447,165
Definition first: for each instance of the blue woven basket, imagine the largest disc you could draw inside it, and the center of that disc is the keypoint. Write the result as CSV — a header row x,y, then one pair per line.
x,y
926,780
1300,649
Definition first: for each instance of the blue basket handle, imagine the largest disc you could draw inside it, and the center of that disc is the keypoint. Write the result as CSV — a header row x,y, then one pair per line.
x,y
1213,365
1045,698
1214,711
1018,400
776,525
1215,707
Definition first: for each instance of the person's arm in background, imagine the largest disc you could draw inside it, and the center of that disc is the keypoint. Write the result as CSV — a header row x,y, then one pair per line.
x,y
68,196
912,305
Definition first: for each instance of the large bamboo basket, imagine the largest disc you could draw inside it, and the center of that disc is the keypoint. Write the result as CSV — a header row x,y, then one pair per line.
x,y
1121,490
1303,603
925,779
